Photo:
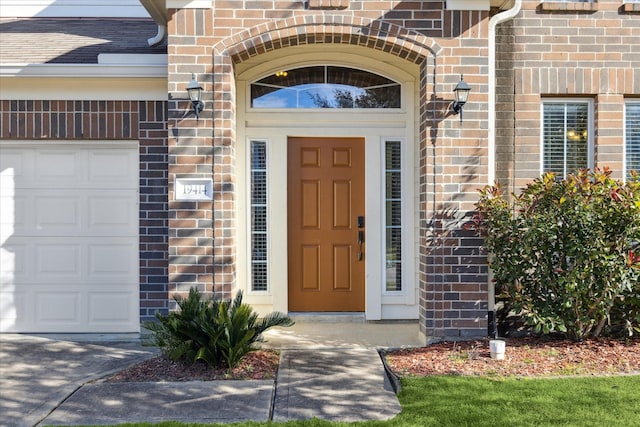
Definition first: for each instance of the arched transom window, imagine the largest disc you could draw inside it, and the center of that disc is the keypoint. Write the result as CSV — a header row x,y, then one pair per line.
x,y
325,86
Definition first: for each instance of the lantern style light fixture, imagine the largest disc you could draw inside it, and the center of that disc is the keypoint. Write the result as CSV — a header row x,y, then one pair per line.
x,y
195,95
461,90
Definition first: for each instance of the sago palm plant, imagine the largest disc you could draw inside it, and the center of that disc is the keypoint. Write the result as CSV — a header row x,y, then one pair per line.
x,y
210,330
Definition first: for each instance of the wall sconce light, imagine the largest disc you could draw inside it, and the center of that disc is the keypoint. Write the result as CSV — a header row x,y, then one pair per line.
x,y
461,90
195,95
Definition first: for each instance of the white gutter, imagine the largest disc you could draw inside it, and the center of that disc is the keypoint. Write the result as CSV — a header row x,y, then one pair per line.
x,y
491,172
82,70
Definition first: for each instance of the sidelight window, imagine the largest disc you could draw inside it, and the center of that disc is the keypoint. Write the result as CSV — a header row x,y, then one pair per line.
x,y
393,215
259,271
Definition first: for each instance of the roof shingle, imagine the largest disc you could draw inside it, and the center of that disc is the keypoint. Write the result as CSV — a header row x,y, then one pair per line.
x,y
73,40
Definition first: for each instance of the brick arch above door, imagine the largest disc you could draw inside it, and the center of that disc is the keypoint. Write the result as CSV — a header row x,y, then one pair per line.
x,y
333,29
307,30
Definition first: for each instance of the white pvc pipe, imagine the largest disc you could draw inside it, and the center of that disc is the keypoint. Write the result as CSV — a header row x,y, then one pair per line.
x,y
491,172
493,22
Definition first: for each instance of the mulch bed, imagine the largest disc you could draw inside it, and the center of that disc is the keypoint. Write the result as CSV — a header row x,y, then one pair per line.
x,y
257,365
524,357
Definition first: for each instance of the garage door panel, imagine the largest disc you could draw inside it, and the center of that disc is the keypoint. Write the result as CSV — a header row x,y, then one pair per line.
x,y
58,261
55,166
13,263
13,168
69,238
114,167
57,214
114,213
14,308
111,307
11,218
56,306
112,260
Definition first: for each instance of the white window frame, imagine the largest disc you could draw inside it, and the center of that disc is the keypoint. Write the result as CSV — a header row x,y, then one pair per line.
x,y
590,129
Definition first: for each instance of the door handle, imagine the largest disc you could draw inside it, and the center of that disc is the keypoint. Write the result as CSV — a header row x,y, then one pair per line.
x,y
360,242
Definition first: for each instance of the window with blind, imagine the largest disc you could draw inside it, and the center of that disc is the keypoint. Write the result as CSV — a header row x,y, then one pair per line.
x,y
393,215
632,137
566,135
259,279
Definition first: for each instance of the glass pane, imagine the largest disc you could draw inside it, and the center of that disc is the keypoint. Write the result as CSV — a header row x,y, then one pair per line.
x,y
258,247
392,155
393,277
258,187
325,87
394,259
259,218
259,277
393,185
394,213
632,139
394,244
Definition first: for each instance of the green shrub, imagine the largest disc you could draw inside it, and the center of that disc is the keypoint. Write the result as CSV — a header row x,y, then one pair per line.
x,y
216,332
564,253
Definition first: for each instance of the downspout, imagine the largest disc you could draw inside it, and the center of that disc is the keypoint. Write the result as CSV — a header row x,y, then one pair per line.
x,y
158,38
491,172
158,11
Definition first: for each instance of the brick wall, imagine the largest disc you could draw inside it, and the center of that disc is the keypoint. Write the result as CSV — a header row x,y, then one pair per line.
x,y
453,161
143,121
591,51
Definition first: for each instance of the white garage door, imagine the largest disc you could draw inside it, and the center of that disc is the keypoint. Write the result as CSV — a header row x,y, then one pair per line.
x,y
69,238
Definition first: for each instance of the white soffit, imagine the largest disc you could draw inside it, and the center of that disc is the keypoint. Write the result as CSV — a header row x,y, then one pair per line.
x,y
72,8
84,70
189,4
468,4
133,59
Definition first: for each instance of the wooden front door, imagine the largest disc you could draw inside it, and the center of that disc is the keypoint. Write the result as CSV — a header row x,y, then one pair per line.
x,y
325,199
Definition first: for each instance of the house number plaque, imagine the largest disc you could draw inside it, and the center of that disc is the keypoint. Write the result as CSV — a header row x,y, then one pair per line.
x,y
193,189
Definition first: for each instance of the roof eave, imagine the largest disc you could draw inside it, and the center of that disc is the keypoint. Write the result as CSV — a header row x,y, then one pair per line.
x,y
83,70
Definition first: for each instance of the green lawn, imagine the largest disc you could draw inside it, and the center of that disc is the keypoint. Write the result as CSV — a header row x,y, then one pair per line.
x,y
477,402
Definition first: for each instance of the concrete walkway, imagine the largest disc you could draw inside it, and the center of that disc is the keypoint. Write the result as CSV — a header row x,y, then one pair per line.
x,y
51,381
37,374
333,384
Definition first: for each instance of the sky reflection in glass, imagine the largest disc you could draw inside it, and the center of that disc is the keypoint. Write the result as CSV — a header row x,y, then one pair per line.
x,y
325,87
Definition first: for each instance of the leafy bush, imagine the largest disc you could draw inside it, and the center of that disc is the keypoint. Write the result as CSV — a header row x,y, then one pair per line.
x,y
216,332
564,253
